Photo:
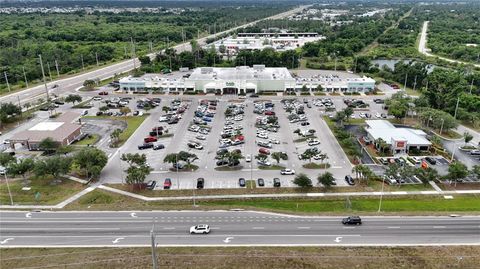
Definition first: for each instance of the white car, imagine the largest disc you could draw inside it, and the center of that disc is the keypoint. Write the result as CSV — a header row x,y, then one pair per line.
x,y
163,118
264,136
200,229
313,142
97,98
274,141
201,137
377,115
248,158
265,163
287,172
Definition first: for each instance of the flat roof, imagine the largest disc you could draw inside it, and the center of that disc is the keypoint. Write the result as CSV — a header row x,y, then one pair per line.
x,y
257,72
46,126
387,131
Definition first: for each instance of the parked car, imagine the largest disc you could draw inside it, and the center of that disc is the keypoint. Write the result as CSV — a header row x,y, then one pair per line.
x,y
264,151
241,182
349,180
200,183
150,139
475,152
221,162
200,229
158,146
431,160
287,172
151,184
276,182
145,146
248,158
261,182
352,220
167,184
103,93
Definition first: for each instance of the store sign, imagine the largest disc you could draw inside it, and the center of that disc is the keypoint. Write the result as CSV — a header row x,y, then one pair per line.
x,y
400,144
230,84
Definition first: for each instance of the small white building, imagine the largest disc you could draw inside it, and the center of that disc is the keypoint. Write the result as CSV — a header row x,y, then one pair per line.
x,y
400,140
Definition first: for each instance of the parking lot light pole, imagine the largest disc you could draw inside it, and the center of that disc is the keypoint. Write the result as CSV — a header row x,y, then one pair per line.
x,y
381,195
8,188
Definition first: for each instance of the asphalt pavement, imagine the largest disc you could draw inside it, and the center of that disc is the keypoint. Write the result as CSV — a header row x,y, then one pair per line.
x,y
228,228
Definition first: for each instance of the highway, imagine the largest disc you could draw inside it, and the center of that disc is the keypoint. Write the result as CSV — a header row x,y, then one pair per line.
x,y
229,228
69,84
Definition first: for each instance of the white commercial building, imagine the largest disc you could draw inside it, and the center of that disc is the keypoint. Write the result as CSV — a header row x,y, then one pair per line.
x,y
260,41
243,79
400,140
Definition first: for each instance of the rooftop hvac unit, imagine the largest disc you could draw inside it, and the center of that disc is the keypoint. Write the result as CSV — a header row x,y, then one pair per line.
x,y
206,70
259,67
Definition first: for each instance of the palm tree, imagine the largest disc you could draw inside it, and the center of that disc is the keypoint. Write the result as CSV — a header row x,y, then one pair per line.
x,y
234,156
171,158
165,109
322,157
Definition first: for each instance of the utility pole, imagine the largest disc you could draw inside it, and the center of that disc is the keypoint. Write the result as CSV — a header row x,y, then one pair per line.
x,y
415,83
405,84
83,66
49,73
56,66
25,76
96,57
43,75
8,188
6,79
133,53
456,108
154,250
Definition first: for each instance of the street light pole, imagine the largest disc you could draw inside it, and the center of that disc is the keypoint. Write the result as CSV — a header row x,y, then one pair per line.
x,y
6,79
381,195
441,127
8,187
25,76
43,75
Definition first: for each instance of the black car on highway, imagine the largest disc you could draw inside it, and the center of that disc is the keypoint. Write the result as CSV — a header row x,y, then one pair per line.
x,y
352,220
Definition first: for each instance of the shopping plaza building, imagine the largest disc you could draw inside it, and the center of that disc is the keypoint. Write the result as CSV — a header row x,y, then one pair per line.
x,y
243,79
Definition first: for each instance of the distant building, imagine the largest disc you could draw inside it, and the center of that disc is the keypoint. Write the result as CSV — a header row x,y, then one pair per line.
x,y
400,140
235,80
259,41
63,130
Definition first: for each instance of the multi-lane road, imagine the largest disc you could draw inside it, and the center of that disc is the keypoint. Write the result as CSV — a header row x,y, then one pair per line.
x,y
69,84
238,228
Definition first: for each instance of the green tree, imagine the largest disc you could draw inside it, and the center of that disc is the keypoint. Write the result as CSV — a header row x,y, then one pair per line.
x,y
308,154
171,158
48,145
261,157
89,84
6,158
234,157
457,171
326,179
138,169
187,157
21,167
476,170
302,181
115,136
467,137
54,166
91,160
104,108
73,98
277,156
426,175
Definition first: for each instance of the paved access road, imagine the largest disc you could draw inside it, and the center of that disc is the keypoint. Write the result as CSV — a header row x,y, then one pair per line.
x,y
229,228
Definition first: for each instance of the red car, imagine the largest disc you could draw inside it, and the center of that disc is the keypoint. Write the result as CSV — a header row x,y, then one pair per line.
x,y
167,184
269,113
264,151
150,139
103,93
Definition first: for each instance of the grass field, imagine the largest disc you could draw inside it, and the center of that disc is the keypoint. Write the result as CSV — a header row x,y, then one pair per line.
x,y
89,140
133,122
413,205
50,193
251,257
316,165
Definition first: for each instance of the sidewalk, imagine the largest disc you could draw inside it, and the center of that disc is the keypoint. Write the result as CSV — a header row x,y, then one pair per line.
x,y
214,197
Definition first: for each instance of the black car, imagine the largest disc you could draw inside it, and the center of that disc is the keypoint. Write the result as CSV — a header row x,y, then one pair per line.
x,y
59,102
158,146
276,182
305,123
234,163
349,180
352,220
200,183
241,182
261,182
173,121
151,185
254,95
145,146
431,160
222,162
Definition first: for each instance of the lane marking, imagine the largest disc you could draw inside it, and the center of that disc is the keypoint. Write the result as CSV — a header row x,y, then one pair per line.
x,y
133,215
349,227
6,240
338,239
227,240
117,240
394,227
169,228
439,227
258,228
28,215
303,228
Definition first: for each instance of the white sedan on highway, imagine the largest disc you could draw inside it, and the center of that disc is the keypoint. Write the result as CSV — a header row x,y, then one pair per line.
x,y
200,229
